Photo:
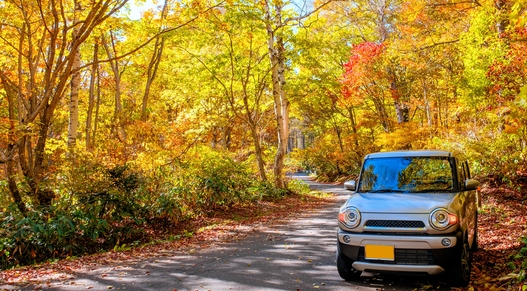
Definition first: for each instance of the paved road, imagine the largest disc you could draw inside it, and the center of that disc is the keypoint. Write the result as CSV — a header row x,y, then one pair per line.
x,y
289,255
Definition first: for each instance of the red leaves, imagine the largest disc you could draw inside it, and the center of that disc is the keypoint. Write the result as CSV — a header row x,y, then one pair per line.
x,y
506,76
361,67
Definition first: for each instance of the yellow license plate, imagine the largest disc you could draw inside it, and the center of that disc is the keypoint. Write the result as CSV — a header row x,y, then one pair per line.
x,y
379,252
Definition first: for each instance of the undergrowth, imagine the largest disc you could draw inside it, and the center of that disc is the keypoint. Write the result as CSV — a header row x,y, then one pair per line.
x,y
102,208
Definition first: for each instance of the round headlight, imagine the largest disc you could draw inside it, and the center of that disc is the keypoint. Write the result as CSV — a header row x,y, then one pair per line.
x,y
441,219
350,217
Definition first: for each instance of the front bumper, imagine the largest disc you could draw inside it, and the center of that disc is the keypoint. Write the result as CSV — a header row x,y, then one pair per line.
x,y
425,254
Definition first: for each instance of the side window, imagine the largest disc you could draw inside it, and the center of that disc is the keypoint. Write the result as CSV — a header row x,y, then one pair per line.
x,y
464,173
461,174
466,170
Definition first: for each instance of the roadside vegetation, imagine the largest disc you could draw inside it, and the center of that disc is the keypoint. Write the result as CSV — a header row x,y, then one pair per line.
x,y
101,209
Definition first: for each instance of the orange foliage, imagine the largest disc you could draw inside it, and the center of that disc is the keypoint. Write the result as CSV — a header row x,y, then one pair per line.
x,y
360,67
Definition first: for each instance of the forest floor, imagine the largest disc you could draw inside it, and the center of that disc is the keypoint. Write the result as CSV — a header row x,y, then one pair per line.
x,y
502,224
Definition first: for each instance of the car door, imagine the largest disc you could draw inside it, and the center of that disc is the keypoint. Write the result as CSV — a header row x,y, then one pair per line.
x,y
471,204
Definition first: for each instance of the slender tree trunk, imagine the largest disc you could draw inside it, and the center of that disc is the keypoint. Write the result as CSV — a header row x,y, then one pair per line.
x,y
118,110
91,100
259,153
154,64
8,159
428,108
281,104
351,113
501,26
75,82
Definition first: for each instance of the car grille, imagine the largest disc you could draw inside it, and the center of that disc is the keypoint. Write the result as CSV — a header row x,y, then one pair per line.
x,y
404,257
395,223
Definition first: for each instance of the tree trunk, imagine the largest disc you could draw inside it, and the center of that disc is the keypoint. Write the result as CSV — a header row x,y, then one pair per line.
x,y
90,140
154,64
118,109
8,157
281,104
401,109
75,82
259,153
502,23
428,108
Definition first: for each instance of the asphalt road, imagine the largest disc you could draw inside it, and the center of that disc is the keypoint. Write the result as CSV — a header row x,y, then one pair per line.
x,y
289,255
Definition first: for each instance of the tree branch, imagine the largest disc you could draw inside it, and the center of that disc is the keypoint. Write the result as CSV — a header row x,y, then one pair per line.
x,y
163,32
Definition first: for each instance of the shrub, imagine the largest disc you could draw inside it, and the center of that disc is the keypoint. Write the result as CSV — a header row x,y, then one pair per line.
x,y
104,208
210,181
519,265
104,211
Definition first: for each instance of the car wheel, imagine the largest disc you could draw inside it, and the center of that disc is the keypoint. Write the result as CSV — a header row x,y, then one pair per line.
x,y
346,271
459,274
475,244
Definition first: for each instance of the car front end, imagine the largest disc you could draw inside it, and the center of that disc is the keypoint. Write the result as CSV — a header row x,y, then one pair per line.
x,y
386,233
410,212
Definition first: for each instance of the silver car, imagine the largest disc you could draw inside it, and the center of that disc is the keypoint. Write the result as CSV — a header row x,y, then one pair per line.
x,y
411,212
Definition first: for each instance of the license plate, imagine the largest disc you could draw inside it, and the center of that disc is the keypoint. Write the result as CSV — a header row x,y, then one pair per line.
x,y
379,252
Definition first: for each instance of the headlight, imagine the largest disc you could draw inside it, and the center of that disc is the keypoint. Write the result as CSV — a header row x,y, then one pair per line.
x,y
441,219
350,217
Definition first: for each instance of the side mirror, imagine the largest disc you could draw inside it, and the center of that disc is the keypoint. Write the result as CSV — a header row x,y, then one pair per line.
x,y
350,185
471,184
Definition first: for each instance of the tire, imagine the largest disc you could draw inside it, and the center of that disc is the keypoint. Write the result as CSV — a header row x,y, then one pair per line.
x,y
475,244
459,274
346,271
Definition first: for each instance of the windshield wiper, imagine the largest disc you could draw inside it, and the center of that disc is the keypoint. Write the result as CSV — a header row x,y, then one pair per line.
x,y
432,190
387,191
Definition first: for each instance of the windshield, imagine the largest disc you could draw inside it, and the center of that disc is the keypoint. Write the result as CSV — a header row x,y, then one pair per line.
x,y
406,174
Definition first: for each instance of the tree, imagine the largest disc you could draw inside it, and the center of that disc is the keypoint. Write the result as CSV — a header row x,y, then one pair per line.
x,y
75,81
275,24
35,73
155,60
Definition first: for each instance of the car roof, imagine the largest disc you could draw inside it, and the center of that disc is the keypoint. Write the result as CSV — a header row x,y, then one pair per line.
x,y
410,153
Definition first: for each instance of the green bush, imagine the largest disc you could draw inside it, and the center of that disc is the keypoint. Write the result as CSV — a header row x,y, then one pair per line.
x,y
298,186
212,181
500,160
99,215
104,208
518,267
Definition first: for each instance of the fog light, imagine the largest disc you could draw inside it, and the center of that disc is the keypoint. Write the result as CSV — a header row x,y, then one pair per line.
x,y
446,242
346,238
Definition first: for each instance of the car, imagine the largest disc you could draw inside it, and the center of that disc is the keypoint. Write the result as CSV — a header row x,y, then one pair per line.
x,y
410,212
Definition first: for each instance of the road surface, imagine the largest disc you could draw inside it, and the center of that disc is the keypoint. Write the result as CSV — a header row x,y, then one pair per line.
x,y
298,254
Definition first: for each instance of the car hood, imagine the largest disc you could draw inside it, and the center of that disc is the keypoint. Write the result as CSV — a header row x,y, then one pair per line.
x,y
402,202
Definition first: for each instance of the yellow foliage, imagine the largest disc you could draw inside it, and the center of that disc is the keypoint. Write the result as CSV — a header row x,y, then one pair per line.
x,y
408,135
510,129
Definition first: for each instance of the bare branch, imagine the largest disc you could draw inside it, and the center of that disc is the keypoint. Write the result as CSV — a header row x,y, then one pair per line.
x,y
298,18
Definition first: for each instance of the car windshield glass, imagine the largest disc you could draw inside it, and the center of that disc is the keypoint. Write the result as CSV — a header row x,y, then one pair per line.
x,y
406,174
